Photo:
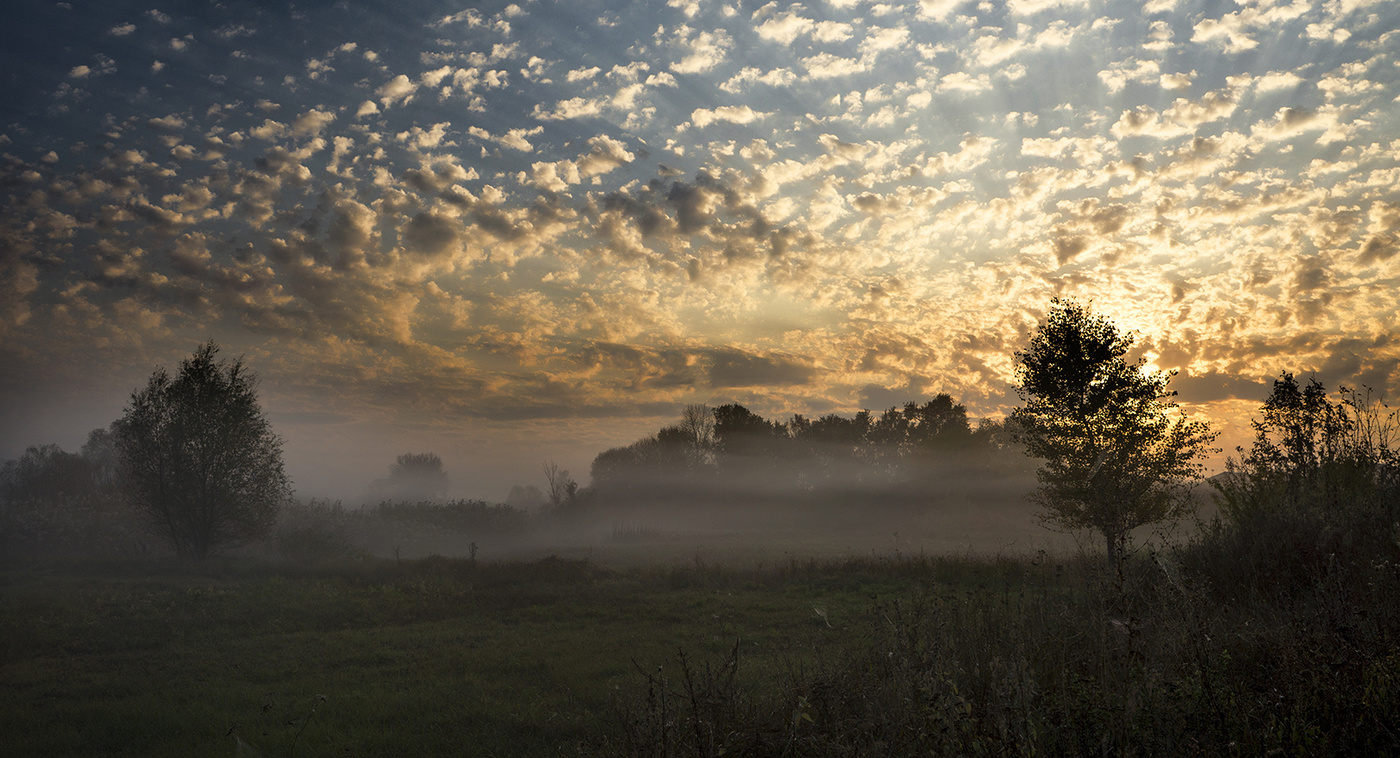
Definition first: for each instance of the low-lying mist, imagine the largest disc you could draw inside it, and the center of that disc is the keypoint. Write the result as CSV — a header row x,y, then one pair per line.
x,y
722,485
763,514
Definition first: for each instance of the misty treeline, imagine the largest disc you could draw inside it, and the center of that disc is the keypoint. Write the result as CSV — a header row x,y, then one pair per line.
x,y
52,499
157,478
57,502
729,451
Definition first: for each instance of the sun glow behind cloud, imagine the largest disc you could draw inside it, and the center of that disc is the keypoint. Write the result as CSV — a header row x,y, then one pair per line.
x,y
559,222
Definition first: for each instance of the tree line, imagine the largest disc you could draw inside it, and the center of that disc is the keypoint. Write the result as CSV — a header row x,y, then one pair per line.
x,y
729,448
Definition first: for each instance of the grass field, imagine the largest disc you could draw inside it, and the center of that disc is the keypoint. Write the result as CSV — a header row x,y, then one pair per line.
x,y
427,657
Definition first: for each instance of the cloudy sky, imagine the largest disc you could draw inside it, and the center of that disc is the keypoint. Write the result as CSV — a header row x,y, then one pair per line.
x,y
510,233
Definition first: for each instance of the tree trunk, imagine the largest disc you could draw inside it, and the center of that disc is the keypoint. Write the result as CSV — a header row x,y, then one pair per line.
x,y
1112,540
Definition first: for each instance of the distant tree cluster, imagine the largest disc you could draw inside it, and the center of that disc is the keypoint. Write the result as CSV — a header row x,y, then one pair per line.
x,y
54,500
731,447
413,477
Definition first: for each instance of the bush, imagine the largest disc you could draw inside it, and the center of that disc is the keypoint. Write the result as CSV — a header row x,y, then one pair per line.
x,y
1316,497
1059,660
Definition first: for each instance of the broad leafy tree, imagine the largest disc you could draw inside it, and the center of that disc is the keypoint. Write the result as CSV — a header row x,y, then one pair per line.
x,y
199,458
1115,450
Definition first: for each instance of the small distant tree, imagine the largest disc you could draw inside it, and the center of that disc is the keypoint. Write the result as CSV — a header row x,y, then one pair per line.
x,y
525,497
198,457
415,476
1114,456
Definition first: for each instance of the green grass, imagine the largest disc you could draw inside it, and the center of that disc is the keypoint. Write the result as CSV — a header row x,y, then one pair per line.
x,y
429,657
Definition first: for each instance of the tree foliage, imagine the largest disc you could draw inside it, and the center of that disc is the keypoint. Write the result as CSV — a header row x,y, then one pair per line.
x,y
198,457
1115,451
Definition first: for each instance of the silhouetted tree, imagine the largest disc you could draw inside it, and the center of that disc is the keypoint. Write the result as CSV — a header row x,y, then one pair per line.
x,y
198,457
1113,456
830,446
1310,453
697,431
833,432
737,428
886,443
617,466
940,424
674,459
658,460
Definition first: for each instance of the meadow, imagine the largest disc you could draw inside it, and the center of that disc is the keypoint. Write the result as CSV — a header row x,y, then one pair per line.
x,y
1206,648
431,656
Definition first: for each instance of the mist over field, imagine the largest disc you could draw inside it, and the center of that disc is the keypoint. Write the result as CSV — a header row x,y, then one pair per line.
x,y
964,513
726,484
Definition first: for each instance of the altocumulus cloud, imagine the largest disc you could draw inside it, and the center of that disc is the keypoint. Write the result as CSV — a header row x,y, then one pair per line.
x,y
793,206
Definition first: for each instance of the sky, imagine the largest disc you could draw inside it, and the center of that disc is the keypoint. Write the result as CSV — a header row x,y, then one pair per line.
x,y
512,233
